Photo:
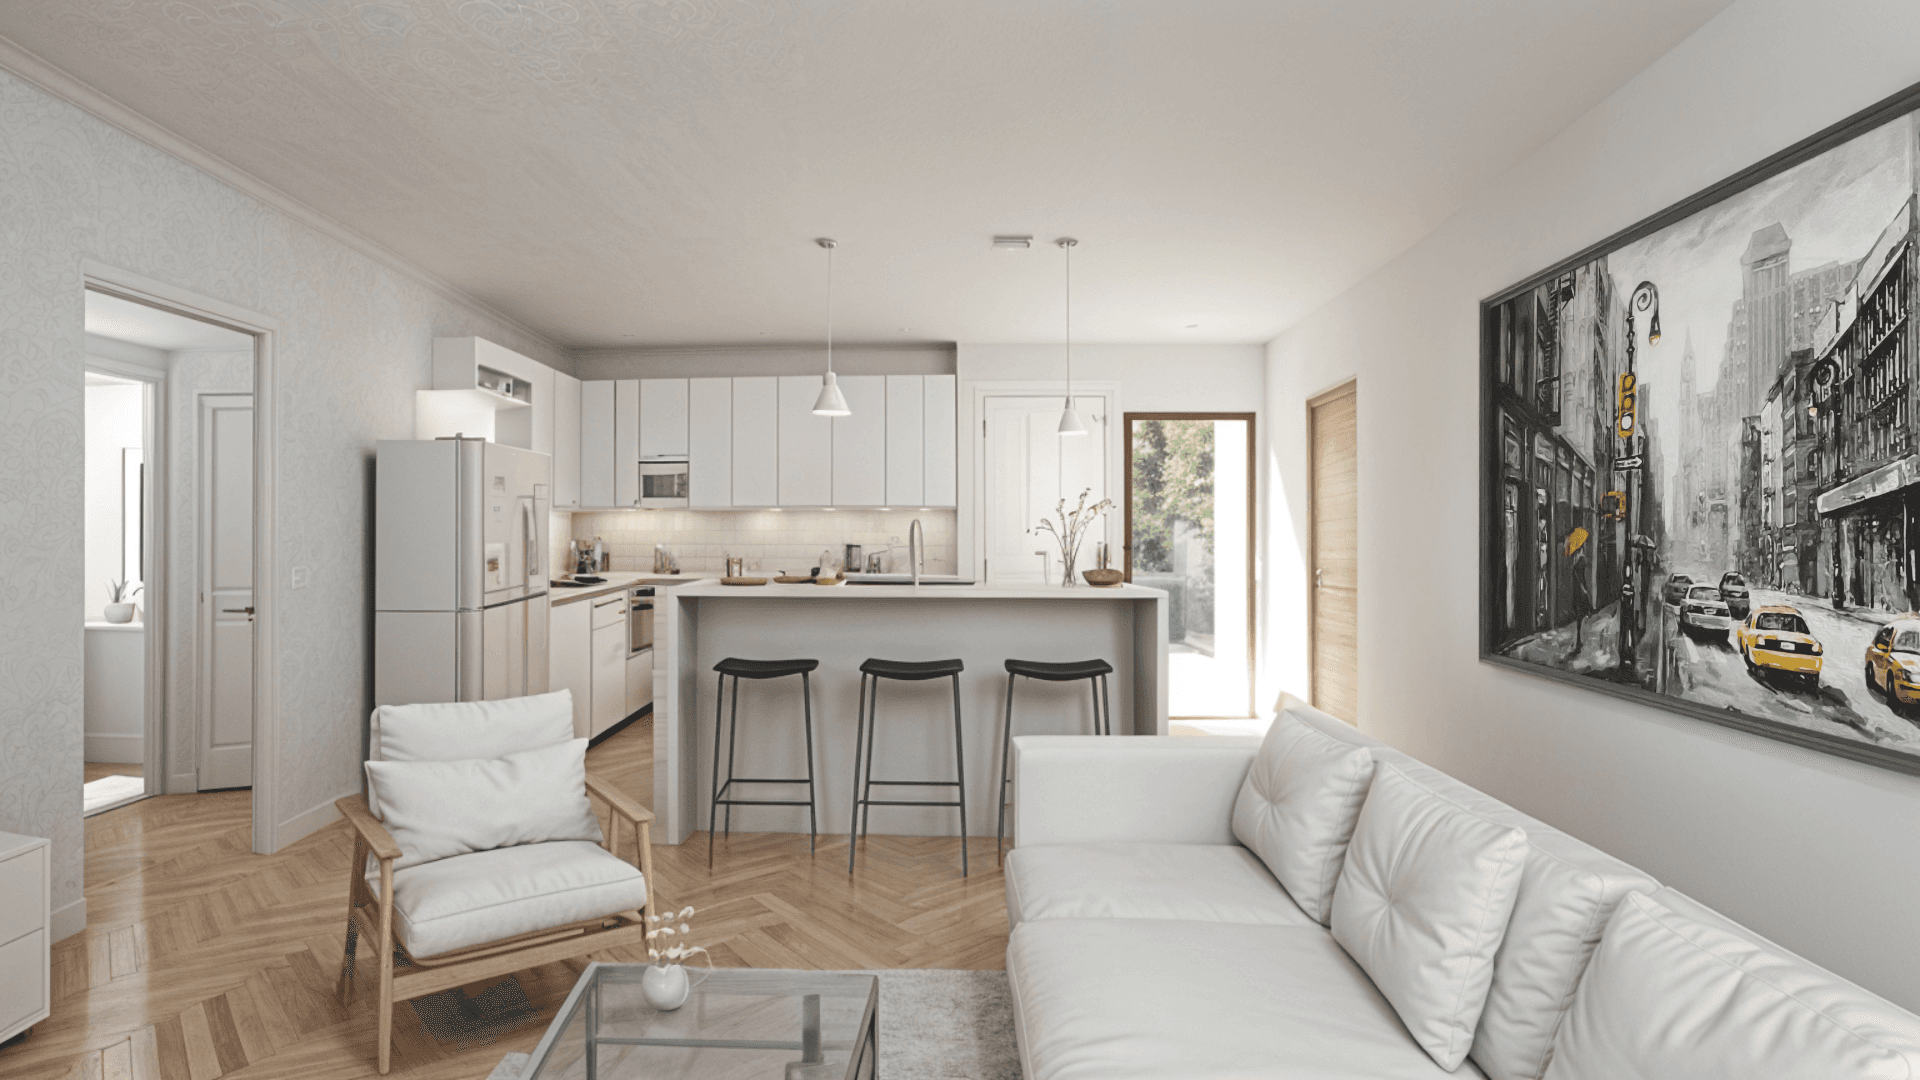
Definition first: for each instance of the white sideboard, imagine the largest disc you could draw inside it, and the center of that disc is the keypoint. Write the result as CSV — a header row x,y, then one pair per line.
x,y
26,932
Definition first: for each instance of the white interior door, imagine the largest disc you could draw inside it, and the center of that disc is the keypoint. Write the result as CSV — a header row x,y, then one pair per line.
x,y
1029,468
226,591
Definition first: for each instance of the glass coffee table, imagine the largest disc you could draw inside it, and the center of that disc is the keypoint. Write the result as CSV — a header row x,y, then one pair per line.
x,y
777,1025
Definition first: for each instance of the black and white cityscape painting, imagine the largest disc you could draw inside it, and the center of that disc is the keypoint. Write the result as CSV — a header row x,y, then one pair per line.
x,y
1701,485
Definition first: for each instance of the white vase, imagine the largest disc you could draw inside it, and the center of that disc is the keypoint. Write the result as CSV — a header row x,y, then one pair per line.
x,y
119,613
665,986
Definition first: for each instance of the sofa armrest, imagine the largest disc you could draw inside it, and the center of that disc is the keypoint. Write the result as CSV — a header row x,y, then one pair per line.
x,y
1145,789
372,833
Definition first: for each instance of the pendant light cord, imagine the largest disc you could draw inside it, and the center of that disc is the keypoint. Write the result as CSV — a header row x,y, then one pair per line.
x,y
1066,248
830,309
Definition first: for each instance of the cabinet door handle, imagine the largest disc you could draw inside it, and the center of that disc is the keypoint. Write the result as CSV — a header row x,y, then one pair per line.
x,y
236,611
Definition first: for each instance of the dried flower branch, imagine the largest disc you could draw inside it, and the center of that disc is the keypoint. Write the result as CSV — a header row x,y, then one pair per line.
x,y
1072,529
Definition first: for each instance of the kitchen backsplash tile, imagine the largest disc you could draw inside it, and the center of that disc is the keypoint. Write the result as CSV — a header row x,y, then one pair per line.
x,y
771,541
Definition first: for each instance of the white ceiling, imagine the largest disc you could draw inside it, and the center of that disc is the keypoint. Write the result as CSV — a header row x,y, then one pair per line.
x,y
625,172
125,320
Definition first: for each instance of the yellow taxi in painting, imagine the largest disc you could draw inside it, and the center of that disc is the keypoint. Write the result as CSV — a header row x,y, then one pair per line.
x,y
1775,638
1893,660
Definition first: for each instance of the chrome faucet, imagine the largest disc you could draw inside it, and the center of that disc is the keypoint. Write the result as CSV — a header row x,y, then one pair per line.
x,y
916,550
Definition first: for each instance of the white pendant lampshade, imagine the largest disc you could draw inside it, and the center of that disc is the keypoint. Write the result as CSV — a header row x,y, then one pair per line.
x,y
831,401
1069,416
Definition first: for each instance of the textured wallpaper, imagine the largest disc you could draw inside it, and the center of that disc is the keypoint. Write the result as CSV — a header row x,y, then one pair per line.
x,y
356,340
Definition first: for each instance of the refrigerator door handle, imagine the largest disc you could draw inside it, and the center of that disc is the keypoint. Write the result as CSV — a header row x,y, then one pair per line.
x,y
529,530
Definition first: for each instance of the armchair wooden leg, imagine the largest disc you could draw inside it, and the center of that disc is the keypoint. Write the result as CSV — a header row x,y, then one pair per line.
x,y
354,870
644,840
385,945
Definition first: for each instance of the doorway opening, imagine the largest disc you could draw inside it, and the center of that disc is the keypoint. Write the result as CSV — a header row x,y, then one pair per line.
x,y
1189,526
169,529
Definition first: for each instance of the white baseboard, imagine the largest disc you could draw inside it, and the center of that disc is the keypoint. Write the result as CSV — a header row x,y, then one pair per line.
x,y
69,919
306,823
116,749
183,783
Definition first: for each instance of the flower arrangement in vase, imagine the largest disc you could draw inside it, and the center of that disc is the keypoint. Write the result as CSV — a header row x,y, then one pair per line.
x,y
1071,529
665,984
120,601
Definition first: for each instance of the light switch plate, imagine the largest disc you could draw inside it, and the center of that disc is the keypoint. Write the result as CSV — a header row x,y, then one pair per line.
x,y
299,577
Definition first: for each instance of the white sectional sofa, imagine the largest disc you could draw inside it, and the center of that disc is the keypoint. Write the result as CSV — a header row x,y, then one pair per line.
x,y
1437,932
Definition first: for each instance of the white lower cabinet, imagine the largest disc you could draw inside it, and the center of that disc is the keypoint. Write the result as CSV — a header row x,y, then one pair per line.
x,y
570,660
639,681
609,662
26,933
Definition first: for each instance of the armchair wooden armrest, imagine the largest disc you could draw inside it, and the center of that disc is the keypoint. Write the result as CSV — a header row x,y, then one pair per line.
x,y
622,803
372,833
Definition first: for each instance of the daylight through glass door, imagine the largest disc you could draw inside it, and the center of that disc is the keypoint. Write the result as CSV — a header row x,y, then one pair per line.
x,y
1190,532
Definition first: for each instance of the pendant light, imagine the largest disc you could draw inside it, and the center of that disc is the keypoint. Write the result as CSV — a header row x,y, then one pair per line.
x,y
830,402
1069,417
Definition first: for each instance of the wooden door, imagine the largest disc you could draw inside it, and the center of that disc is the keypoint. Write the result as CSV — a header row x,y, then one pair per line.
x,y
1335,561
226,596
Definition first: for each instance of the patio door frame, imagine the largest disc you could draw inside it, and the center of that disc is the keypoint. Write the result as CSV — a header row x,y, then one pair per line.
x,y
1253,526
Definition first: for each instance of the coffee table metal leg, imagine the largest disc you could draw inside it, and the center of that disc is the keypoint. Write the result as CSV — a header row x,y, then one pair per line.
x,y
593,1030
813,1063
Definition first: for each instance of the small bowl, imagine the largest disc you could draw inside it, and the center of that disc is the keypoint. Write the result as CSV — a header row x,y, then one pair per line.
x,y
1104,579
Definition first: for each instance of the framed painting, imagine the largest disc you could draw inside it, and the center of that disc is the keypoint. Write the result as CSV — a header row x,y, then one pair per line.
x,y
1700,481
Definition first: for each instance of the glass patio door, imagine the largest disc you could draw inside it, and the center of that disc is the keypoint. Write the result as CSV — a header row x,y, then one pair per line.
x,y
1190,531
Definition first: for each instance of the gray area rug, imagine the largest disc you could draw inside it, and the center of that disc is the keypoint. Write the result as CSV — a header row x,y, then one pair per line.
x,y
934,1025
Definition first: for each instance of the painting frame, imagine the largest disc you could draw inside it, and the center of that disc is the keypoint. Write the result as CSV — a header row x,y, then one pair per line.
x,y
1493,475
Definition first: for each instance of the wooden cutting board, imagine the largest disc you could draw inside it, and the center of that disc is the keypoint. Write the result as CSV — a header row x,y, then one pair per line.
x,y
743,581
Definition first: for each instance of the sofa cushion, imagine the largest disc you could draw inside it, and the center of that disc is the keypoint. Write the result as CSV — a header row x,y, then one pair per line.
x,y
1115,999
1422,905
490,895
1567,893
1297,807
439,809
1677,990
456,730
1211,882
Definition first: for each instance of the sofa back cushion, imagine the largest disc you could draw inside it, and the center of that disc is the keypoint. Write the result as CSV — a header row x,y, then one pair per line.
x,y
466,730
1297,808
439,809
1567,893
1676,990
1422,905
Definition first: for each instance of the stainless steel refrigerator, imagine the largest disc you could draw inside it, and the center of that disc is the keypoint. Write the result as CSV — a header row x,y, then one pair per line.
x,y
459,571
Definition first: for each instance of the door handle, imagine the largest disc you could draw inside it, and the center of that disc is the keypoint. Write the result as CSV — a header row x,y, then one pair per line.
x,y
1316,578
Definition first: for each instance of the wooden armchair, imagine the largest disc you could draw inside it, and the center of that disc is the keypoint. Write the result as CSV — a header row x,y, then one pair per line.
x,y
490,913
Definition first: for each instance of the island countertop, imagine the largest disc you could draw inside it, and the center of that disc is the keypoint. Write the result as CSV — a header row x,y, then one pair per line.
x,y
713,589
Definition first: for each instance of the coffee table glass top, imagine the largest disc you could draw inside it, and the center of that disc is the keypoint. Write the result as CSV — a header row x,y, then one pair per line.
x,y
781,1025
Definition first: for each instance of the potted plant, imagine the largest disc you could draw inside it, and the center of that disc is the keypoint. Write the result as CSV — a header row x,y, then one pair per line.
x,y
665,984
120,604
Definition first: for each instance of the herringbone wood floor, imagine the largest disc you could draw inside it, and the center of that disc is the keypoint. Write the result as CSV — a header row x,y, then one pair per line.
x,y
202,960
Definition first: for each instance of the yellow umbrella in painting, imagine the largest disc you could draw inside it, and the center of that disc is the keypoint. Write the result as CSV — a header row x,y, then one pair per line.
x,y
1574,540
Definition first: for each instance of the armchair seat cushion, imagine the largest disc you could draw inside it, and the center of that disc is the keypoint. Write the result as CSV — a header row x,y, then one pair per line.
x,y
451,904
1207,882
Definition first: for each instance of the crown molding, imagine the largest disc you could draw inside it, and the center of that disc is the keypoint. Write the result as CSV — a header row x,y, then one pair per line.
x,y
25,64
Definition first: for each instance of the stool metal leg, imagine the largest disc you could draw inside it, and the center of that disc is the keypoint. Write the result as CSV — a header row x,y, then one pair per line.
x,y
1093,691
859,745
813,823
1109,704
713,807
873,724
733,743
1006,752
960,768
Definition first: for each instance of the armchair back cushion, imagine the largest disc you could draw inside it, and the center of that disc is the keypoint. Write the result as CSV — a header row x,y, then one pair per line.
x,y
1422,905
438,809
1677,990
463,730
1297,808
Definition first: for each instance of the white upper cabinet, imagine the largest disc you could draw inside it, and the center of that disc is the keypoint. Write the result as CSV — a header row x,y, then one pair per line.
x,y
860,443
626,442
756,441
596,443
566,441
806,444
709,443
942,422
663,418
906,440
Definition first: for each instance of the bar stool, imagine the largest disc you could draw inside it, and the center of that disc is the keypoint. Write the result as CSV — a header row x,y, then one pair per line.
x,y
1094,671
757,669
905,671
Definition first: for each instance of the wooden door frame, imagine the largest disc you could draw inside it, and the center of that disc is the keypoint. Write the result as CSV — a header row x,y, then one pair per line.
x,y
265,332
1253,523
1349,388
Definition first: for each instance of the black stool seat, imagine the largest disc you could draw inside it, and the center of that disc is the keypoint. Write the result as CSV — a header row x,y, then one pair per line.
x,y
1067,672
763,669
912,670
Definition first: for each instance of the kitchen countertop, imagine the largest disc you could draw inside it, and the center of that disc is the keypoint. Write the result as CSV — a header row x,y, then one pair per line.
x,y
618,581
712,589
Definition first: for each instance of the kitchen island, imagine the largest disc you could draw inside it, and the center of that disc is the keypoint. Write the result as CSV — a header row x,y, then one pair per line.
x,y
701,624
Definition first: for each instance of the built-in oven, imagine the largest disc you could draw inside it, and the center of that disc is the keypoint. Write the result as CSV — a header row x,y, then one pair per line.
x,y
640,618
663,485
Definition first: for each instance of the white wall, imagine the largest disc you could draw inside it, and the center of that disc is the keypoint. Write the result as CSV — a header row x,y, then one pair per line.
x,y
1816,852
115,422
716,361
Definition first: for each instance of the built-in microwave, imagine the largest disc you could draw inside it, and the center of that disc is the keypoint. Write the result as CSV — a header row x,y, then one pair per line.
x,y
663,485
